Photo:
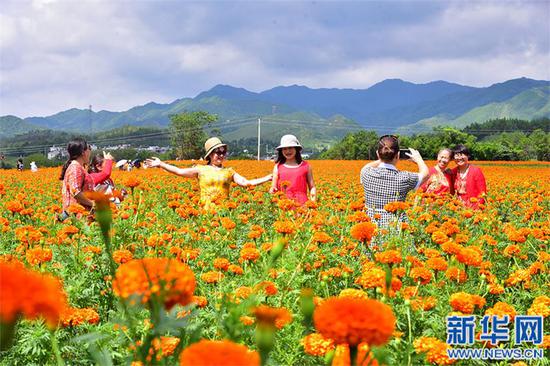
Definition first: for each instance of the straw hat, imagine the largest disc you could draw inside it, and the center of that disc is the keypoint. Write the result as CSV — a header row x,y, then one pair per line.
x,y
211,144
289,141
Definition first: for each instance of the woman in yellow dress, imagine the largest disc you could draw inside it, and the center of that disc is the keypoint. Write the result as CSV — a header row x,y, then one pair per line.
x,y
214,179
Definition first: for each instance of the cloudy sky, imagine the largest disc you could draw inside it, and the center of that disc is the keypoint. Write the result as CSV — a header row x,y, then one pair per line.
x,y
113,55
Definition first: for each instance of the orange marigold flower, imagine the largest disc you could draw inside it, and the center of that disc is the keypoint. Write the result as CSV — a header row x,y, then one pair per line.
x,y
212,277
500,309
359,216
545,342
121,256
511,250
437,264
37,256
389,257
77,209
396,206
268,287
286,204
227,223
73,317
436,350
14,206
201,301
465,302
540,306
424,303
30,294
233,268
439,237
243,292
352,321
321,237
456,274
221,264
250,254
451,247
518,276
424,275
165,345
218,353
470,256
272,317
170,280
70,230
316,345
246,320
284,227
372,277
355,293
132,182
363,231
495,288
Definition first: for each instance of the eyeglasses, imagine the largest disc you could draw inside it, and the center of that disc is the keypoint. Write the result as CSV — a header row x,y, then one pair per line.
x,y
220,151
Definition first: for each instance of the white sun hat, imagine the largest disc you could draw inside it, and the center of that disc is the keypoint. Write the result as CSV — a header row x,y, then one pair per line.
x,y
289,141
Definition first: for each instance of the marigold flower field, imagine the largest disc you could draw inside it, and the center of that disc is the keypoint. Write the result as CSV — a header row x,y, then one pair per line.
x,y
159,281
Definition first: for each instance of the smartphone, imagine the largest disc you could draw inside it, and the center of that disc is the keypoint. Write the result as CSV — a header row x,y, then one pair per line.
x,y
403,154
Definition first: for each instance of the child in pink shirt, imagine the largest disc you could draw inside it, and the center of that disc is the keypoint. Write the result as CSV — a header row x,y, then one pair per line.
x,y
291,174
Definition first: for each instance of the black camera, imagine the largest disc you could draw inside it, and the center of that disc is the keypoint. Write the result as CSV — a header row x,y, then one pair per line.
x,y
403,154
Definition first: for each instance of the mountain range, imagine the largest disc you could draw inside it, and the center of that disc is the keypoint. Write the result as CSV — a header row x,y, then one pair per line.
x,y
392,105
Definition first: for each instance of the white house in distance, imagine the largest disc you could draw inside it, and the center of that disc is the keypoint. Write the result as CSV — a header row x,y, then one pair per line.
x,y
57,152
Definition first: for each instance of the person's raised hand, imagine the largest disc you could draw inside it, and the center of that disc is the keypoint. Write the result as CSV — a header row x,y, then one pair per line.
x,y
107,156
414,155
153,162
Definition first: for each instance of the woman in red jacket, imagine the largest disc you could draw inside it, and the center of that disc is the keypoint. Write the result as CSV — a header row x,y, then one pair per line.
x,y
469,182
440,179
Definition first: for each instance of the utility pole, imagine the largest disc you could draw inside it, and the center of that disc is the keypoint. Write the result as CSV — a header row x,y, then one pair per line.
x,y
259,131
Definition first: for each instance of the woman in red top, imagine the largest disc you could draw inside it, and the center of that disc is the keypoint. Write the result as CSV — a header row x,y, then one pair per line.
x,y
291,174
76,179
440,179
469,183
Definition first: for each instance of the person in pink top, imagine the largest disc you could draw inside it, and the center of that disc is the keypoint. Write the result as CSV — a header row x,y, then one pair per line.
x,y
291,174
76,180
470,186
100,171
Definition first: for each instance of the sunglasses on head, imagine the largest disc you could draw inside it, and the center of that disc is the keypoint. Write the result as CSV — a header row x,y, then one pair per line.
x,y
392,136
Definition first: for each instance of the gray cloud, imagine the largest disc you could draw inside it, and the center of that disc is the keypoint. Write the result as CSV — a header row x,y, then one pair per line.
x,y
114,55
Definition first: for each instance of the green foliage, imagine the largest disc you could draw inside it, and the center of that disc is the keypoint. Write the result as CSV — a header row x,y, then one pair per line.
x,y
187,131
430,144
531,141
354,146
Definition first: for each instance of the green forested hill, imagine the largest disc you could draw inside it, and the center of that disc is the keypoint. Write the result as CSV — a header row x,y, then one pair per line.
x,y
389,106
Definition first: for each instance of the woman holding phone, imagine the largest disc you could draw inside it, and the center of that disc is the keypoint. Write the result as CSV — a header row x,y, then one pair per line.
x,y
383,183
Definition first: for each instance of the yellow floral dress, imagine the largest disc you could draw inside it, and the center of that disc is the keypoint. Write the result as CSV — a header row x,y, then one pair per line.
x,y
214,184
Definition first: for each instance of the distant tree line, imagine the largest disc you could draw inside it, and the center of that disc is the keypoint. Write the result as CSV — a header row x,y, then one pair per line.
x,y
499,139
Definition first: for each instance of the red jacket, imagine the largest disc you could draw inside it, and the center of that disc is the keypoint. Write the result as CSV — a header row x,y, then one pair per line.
x,y
475,186
103,175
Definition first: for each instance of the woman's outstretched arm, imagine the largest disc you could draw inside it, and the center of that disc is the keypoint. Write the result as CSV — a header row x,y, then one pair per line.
x,y
243,182
182,172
